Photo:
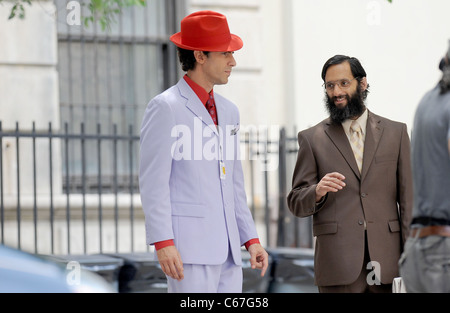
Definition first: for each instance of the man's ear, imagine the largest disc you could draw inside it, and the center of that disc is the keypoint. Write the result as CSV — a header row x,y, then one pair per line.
x,y
200,57
363,83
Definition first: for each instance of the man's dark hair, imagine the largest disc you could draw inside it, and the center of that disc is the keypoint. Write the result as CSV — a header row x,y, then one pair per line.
x,y
357,70
187,58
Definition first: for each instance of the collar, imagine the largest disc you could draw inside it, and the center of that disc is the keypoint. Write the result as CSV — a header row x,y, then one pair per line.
x,y
198,90
362,120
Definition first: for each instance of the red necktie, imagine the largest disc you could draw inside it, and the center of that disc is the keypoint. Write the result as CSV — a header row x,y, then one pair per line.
x,y
211,107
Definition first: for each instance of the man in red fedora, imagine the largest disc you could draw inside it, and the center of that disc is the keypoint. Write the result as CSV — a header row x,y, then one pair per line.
x,y
191,178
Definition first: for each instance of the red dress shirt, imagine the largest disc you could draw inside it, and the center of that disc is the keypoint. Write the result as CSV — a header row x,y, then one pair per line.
x,y
201,93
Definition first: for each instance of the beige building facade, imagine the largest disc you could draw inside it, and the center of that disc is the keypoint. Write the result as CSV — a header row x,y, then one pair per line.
x,y
276,84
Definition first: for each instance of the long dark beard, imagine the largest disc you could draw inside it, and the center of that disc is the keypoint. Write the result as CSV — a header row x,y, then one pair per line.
x,y
354,108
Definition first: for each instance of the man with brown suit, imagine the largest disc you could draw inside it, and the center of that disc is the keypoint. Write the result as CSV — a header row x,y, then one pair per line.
x,y
356,182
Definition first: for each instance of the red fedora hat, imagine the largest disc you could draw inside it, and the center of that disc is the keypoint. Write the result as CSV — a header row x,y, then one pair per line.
x,y
206,31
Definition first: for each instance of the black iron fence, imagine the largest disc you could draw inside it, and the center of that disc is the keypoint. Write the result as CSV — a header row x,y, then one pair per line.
x,y
62,192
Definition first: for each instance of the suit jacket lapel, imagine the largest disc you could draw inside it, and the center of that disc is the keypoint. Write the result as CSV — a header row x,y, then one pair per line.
x,y
221,114
337,135
196,106
374,130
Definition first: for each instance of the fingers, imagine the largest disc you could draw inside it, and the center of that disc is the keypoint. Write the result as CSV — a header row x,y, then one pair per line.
x,y
331,182
170,261
336,175
265,263
254,263
259,259
261,262
174,269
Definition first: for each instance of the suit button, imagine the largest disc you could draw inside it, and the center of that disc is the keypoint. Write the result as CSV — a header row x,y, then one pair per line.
x,y
363,195
361,222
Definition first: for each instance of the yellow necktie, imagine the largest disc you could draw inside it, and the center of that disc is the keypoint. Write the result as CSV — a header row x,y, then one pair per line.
x,y
357,142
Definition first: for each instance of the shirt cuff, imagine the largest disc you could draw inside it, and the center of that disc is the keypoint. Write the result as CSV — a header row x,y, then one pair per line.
x,y
162,244
250,242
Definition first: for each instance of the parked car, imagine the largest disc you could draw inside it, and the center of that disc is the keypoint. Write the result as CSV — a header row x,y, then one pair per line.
x,y
23,272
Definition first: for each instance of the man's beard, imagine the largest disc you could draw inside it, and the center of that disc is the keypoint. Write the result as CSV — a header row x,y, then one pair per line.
x,y
354,108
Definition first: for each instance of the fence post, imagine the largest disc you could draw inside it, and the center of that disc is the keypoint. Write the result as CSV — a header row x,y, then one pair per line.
x,y
281,240
66,140
130,156
35,211
2,207
100,190
18,187
52,209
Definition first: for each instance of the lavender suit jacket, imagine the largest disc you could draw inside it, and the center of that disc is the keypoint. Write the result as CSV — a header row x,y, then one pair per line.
x,y
183,195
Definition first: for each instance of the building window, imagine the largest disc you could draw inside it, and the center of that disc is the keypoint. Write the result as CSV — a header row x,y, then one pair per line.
x,y
106,79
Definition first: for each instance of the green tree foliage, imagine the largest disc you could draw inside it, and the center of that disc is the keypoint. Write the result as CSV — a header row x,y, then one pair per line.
x,y
104,11
18,8
101,11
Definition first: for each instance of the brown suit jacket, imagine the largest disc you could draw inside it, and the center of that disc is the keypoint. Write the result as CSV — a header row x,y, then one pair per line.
x,y
381,196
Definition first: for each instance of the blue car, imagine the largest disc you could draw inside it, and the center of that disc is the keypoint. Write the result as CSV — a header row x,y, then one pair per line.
x,y
22,272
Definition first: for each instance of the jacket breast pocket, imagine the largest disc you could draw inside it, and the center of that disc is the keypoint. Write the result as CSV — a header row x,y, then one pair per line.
x,y
325,229
188,210
385,158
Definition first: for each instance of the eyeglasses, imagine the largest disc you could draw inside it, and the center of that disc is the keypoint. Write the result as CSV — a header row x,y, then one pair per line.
x,y
343,84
